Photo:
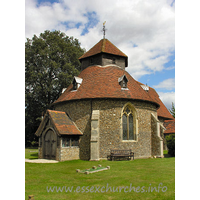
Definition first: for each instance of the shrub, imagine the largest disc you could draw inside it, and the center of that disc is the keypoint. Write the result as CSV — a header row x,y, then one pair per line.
x,y
171,144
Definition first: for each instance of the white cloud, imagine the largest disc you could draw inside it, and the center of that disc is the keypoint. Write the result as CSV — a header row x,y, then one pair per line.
x,y
142,29
167,98
168,84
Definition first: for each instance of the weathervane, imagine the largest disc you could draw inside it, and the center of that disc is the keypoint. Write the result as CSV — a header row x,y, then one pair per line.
x,y
104,30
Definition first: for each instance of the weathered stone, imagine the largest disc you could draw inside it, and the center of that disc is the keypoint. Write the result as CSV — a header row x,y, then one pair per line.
x,y
69,153
110,126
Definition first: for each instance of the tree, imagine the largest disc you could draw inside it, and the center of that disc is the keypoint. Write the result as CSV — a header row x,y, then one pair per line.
x,y
171,144
51,62
172,110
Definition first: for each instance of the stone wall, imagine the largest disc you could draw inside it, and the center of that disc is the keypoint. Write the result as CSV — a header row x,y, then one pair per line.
x,y
58,157
68,153
110,125
63,153
40,153
156,137
94,141
162,119
80,113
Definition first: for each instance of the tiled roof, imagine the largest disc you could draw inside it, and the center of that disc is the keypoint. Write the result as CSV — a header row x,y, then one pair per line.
x,y
170,126
61,122
102,82
103,46
162,110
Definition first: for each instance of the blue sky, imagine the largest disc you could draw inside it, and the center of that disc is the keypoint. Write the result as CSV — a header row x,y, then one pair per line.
x,y
144,30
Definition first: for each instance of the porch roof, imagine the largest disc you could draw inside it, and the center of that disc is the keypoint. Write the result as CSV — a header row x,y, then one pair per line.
x,y
62,124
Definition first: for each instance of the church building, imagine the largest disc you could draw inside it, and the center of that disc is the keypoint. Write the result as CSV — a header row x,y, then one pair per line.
x,y
103,109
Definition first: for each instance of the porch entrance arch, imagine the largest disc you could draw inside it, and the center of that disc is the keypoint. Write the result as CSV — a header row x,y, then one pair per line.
x,y
50,142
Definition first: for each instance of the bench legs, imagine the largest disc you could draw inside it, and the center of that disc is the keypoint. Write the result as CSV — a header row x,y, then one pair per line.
x,y
112,158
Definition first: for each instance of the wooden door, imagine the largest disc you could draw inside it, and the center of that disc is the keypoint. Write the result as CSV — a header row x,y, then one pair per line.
x,y
50,142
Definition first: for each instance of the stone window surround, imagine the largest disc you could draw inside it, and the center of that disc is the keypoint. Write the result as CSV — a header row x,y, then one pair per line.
x,y
135,121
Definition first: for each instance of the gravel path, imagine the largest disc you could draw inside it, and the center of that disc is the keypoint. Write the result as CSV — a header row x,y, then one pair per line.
x,y
41,161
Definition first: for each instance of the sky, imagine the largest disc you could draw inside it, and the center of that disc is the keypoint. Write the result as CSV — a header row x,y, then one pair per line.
x,y
144,30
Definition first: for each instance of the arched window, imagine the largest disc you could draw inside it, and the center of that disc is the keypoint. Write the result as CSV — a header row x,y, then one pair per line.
x,y
129,124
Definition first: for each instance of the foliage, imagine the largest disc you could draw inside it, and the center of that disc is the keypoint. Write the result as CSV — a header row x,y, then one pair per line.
x,y
51,62
172,110
171,144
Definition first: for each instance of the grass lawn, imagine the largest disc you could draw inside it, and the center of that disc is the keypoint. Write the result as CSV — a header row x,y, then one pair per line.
x,y
143,174
31,153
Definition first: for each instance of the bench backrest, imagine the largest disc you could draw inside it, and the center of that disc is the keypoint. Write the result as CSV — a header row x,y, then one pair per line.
x,y
120,152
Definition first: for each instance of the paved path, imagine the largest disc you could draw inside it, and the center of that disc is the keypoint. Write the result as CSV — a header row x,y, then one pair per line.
x,y
41,161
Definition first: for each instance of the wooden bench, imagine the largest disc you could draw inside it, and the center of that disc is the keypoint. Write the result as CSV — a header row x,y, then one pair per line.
x,y
117,153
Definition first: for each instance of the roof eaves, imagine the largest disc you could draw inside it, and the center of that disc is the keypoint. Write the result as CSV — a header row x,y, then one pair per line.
x,y
89,98
42,125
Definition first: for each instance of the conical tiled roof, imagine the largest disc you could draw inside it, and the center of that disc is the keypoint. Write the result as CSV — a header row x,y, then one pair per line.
x,y
103,46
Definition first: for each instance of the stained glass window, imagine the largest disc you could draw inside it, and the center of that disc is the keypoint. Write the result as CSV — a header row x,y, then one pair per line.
x,y
124,118
130,127
129,132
